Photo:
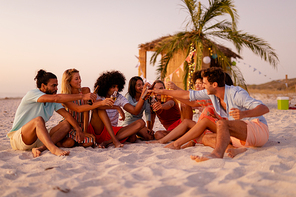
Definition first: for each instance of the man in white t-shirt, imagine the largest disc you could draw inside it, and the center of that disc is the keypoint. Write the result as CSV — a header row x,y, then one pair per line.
x,y
37,106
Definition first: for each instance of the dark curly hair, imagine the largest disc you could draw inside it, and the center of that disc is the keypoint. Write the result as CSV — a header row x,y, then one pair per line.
x,y
214,74
43,77
196,75
107,80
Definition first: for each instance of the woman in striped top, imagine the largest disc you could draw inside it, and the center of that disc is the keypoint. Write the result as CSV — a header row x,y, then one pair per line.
x,y
71,84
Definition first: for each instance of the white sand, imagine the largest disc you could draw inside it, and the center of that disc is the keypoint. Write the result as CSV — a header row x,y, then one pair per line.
x,y
141,169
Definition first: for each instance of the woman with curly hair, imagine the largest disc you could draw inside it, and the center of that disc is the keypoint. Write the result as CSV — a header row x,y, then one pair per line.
x,y
135,88
108,85
71,84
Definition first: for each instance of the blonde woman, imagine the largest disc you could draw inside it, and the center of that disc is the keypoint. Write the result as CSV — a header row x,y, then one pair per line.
x,y
71,84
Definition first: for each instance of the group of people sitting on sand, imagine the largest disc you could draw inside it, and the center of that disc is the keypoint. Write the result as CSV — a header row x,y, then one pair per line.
x,y
230,120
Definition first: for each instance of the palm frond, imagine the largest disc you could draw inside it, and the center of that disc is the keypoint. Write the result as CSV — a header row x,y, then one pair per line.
x,y
257,45
204,27
219,8
191,8
237,77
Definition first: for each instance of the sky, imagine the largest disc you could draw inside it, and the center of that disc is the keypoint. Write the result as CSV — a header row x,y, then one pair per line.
x,y
95,36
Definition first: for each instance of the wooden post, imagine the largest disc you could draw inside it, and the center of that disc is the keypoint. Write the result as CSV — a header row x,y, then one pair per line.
x,y
287,82
142,60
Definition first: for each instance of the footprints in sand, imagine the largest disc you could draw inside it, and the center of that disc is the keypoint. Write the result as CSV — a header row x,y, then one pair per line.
x,y
167,191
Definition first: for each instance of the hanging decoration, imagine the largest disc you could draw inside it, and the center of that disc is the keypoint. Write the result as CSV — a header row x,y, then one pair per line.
x,y
191,66
254,69
207,60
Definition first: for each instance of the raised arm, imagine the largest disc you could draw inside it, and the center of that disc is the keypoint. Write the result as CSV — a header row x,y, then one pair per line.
x,y
63,98
135,110
177,94
165,106
105,104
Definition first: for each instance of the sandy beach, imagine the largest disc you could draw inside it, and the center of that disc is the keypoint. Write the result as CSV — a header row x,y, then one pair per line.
x,y
141,169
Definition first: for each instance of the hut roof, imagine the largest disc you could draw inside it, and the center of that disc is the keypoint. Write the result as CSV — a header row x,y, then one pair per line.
x,y
150,46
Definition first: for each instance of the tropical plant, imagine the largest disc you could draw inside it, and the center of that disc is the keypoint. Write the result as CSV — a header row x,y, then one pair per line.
x,y
204,27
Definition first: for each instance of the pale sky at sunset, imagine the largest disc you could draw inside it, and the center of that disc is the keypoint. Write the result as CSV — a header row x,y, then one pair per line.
x,y
94,36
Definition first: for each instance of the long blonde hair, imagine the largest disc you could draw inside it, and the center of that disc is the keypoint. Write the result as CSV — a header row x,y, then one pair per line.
x,y
66,79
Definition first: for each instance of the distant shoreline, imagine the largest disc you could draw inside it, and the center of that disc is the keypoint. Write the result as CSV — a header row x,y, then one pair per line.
x,y
11,98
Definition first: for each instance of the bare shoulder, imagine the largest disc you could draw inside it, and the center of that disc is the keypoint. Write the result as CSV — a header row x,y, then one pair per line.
x,y
85,90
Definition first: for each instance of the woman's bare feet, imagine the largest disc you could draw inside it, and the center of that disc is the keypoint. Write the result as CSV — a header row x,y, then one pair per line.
x,y
117,144
103,145
36,152
172,146
204,157
189,144
232,152
60,152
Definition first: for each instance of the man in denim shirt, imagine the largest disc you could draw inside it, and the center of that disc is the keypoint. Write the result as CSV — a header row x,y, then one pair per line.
x,y
242,122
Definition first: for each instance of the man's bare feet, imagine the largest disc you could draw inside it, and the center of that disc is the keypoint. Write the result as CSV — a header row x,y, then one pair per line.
x,y
189,144
56,151
36,152
232,152
172,146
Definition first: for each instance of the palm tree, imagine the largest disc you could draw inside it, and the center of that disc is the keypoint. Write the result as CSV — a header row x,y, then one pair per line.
x,y
204,28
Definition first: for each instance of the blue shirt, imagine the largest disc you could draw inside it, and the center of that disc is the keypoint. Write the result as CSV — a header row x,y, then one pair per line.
x,y
234,97
29,109
130,118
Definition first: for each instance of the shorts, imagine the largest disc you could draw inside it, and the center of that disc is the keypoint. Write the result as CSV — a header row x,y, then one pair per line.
x,y
104,136
174,125
17,143
257,134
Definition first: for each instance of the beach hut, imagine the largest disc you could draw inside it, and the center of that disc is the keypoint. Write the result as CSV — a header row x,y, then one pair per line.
x,y
175,71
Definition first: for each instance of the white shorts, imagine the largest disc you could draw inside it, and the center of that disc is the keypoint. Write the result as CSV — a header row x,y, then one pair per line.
x,y
17,143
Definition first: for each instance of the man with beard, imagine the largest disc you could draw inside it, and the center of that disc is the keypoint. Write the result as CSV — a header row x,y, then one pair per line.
x,y
240,122
29,132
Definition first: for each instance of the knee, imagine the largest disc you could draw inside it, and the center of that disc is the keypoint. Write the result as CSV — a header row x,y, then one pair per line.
x,y
39,120
66,125
140,123
221,124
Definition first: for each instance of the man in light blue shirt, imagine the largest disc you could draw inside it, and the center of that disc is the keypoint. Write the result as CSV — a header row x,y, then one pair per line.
x,y
241,121
36,108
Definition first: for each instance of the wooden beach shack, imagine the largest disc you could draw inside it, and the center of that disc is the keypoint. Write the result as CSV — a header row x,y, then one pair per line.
x,y
175,69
